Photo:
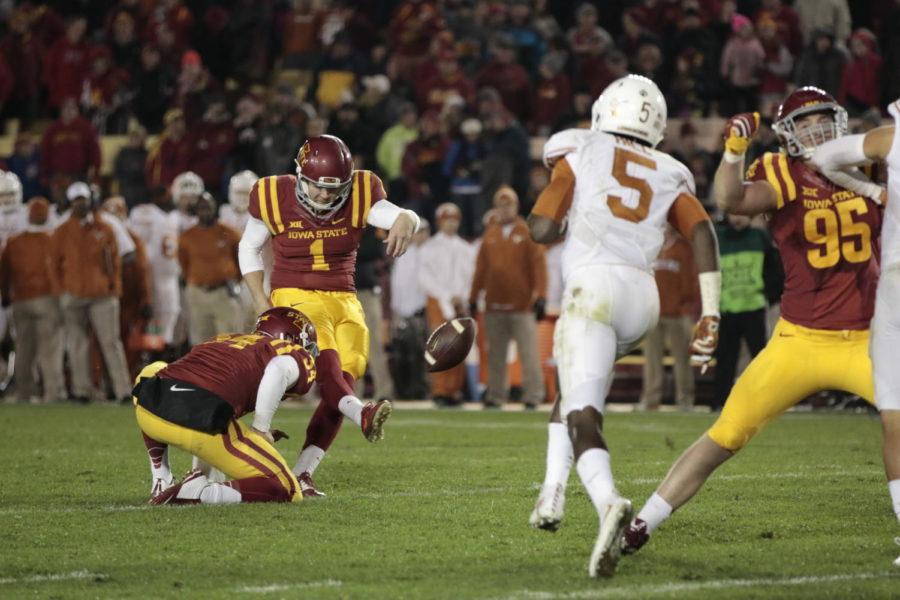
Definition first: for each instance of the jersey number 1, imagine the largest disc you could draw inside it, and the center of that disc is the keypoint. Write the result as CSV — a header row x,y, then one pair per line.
x,y
620,172
317,249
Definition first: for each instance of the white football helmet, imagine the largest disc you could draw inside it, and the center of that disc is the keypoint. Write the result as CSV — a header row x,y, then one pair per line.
x,y
632,106
188,184
10,191
239,187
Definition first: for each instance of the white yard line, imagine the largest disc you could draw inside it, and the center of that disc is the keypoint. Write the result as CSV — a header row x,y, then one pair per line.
x,y
83,574
282,587
643,591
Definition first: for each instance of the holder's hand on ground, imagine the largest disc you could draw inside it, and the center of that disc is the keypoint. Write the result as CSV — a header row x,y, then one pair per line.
x,y
739,131
278,434
704,341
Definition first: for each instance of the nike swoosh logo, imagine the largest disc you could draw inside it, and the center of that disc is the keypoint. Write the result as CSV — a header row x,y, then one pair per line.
x,y
297,304
785,335
175,388
336,221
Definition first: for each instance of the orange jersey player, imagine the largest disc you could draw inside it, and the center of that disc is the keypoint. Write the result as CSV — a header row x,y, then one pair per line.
x,y
195,403
828,240
315,221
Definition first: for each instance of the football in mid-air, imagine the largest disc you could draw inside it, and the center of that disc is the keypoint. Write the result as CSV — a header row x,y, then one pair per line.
x,y
450,343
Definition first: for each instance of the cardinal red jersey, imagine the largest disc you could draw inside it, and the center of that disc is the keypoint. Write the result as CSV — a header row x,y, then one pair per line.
x,y
232,365
828,240
311,254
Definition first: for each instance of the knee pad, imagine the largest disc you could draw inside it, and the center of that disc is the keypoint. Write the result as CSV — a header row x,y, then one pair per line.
x,y
730,435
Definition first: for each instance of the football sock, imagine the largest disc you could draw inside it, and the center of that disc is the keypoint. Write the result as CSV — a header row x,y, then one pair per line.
x,y
655,511
596,475
159,458
351,407
219,493
559,456
309,459
894,488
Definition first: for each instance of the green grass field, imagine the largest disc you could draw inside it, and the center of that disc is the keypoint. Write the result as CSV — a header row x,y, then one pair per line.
x,y
439,510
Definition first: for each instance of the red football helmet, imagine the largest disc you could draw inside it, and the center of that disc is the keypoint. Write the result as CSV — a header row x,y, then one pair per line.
x,y
323,162
802,102
289,324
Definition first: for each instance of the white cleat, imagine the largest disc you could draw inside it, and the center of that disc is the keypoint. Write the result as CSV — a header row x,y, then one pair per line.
x,y
607,550
160,485
548,510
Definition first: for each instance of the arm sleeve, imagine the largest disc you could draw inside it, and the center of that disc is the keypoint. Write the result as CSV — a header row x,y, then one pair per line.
x,y
685,213
384,213
539,264
281,374
256,234
556,199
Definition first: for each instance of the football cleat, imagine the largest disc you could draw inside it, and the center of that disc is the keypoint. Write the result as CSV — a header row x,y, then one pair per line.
x,y
186,491
308,486
634,537
607,550
374,414
160,485
548,510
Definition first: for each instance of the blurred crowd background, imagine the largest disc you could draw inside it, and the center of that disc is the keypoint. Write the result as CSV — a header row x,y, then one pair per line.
x,y
449,102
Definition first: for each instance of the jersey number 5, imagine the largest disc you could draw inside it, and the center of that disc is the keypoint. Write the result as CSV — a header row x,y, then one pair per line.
x,y
620,172
852,240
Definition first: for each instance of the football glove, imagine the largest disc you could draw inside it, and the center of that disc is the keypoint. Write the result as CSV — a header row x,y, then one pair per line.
x,y
739,130
704,341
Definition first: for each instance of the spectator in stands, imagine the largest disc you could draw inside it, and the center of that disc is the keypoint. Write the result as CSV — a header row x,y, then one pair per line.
x,y
634,34
463,167
171,153
529,43
23,51
300,38
507,76
786,21
26,163
751,274
861,81
695,79
691,153
511,270
821,64
392,145
552,96
890,43
408,328
648,61
356,133
194,87
135,306
448,80
831,15
70,146
742,64
507,161
587,35
369,264
592,68
124,42
423,165
30,284
128,168
212,141
777,67
278,140
410,32
105,92
446,266
379,106
335,73
207,253
86,259
679,297
153,88
66,64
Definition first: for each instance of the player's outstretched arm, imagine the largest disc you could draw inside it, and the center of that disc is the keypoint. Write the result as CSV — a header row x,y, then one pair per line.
x,y
545,223
836,158
729,190
400,223
256,234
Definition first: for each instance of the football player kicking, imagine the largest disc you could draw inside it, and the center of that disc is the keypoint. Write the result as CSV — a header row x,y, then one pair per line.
x,y
881,144
315,221
618,193
195,403
827,236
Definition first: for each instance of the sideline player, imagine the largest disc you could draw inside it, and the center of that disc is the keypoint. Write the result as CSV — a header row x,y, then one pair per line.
x,y
618,193
315,221
195,403
827,237
881,144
